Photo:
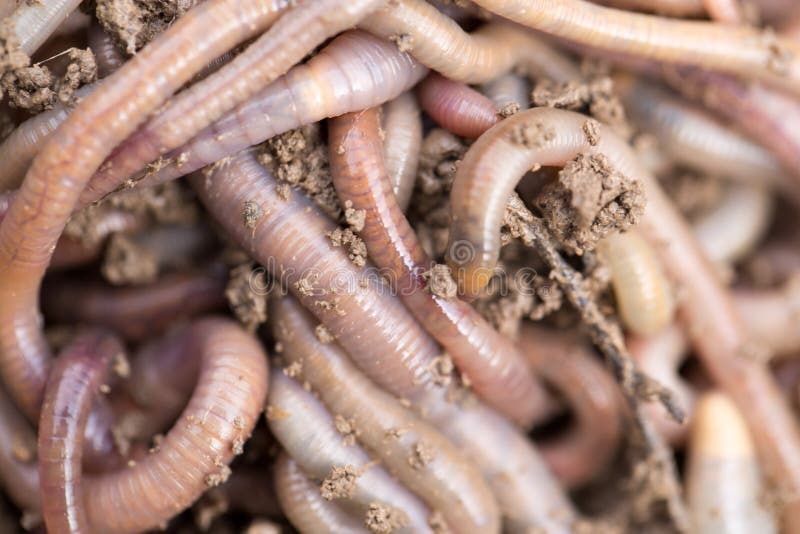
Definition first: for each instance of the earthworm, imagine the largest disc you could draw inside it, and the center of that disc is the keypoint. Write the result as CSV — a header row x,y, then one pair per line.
x,y
226,403
738,50
294,34
661,356
591,394
733,228
401,145
308,434
644,296
19,472
772,315
323,87
456,107
74,381
135,313
304,506
108,56
29,232
34,22
725,11
415,452
723,481
719,335
289,240
498,372
672,8
508,89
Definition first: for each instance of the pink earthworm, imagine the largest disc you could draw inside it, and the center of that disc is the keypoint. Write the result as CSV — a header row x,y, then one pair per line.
x,y
36,218
417,454
304,506
308,434
289,240
293,36
487,176
672,8
498,372
725,11
739,50
35,22
508,89
456,107
591,394
107,55
402,124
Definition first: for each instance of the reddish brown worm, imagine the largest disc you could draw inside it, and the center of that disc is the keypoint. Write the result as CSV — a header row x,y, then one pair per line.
x,y
74,381
592,395
304,506
402,124
136,313
293,36
307,432
488,174
456,107
65,163
739,50
498,372
394,351
414,451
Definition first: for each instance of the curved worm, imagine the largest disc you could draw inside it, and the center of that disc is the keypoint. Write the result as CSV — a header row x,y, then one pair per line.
x,y
498,372
415,452
292,37
736,225
35,21
108,56
36,218
304,506
592,395
487,176
508,89
645,300
772,316
456,107
393,351
135,313
355,71
740,50
672,8
402,123
723,481
308,434
75,379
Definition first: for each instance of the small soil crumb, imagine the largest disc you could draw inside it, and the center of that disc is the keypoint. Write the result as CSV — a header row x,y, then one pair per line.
x,y
275,414
403,41
442,369
383,519
29,88
81,70
126,262
347,428
263,526
532,135
589,200
169,203
591,128
323,334
340,483
121,366
421,455
355,218
251,213
780,57
305,286
134,23
246,295
440,282
293,370
284,191
299,158
438,524
211,505
219,477
357,250
508,109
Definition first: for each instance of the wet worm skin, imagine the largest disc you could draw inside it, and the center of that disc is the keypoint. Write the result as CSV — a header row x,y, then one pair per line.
x,y
394,350
64,165
34,22
738,50
293,36
590,392
498,372
508,89
718,332
136,313
644,296
75,379
402,124
456,107
108,56
414,451
304,506
307,433
673,8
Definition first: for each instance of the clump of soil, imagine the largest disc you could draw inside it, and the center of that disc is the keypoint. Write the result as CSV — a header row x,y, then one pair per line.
x,y
168,203
590,200
11,55
340,483
532,134
440,282
300,159
421,455
245,295
127,262
357,250
323,334
509,109
403,41
134,23
384,519
347,428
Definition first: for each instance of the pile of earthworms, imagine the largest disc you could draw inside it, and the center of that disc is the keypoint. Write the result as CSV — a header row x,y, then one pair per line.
x,y
400,266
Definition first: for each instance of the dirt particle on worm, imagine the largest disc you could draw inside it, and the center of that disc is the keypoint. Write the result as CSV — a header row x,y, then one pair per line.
x,y
355,218
340,483
532,135
421,455
323,334
356,248
127,262
440,282
384,519
120,365
509,109
251,213
591,128
218,477
438,524
347,428
294,369
403,41
247,296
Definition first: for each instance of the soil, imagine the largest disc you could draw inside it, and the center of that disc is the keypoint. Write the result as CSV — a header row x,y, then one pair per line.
x,y
134,23
244,295
126,262
532,134
357,250
508,109
404,41
347,428
340,483
422,455
384,519
440,282
323,334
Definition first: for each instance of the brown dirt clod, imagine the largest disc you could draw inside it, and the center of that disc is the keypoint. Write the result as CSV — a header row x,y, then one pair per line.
x,y
340,483
126,262
134,23
384,519
245,296
421,455
440,282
